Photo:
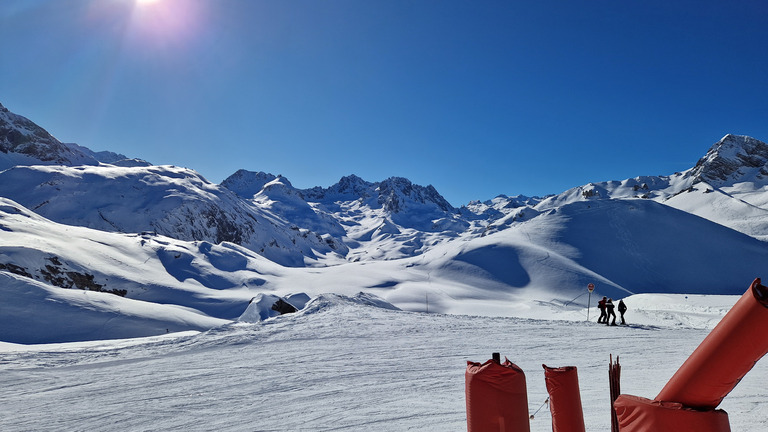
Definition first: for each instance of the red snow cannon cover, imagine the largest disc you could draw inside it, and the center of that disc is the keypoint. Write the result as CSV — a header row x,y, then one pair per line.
x,y
564,399
638,414
497,398
729,351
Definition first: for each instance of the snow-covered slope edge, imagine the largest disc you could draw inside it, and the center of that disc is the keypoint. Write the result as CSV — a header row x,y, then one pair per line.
x,y
34,312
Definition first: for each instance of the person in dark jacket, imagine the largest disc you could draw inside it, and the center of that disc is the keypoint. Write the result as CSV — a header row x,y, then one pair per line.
x,y
609,309
622,309
601,305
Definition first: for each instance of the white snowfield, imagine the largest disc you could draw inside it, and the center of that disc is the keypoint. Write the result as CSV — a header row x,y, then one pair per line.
x,y
350,364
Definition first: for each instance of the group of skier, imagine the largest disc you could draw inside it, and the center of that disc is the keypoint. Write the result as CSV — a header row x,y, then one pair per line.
x,y
606,311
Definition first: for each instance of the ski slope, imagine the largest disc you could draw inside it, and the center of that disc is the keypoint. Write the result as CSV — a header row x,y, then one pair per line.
x,y
342,364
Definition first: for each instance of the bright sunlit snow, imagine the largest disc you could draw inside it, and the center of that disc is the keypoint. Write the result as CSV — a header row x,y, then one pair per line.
x,y
342,364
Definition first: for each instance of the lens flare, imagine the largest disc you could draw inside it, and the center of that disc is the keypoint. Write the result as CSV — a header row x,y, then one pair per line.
x,y
164,23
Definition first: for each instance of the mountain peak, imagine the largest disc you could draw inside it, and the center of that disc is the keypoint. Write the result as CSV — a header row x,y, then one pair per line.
x,y
23,137
352,184
246,183
396,192
733,158
23,142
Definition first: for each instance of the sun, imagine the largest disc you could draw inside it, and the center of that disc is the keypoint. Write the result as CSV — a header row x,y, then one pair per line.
x,y
164,23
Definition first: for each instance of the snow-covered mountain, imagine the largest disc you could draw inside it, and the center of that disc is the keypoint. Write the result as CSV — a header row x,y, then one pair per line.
x,y
172,201
71,218
729,186
390,219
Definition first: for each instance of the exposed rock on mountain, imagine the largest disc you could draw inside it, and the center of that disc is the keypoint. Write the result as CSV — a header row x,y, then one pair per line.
x,y
355,213
732,159
22,142
397,194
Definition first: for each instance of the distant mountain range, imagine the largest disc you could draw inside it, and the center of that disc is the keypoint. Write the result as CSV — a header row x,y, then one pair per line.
x,y
166,235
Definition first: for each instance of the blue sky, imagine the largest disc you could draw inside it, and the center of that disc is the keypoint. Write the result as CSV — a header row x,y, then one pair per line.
x,y
477,98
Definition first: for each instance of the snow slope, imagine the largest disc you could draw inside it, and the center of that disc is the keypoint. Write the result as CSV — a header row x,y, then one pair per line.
x,y
35,312
343,365
46,260
525,270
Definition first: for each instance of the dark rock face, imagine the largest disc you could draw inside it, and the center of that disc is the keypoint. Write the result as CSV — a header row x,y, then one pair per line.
x,y
61,275
283,307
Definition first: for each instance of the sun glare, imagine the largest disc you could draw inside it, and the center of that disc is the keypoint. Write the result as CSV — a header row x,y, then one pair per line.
x,y
165,23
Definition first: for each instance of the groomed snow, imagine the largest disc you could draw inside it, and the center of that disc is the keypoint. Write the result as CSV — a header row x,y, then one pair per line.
x,y
342,364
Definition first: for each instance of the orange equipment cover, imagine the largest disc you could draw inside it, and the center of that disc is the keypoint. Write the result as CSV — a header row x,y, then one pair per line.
x,y
497,398
564,399
729,351
638,414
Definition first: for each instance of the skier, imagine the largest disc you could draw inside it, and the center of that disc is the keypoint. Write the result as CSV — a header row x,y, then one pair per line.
x,y
609,306
622,309
601,305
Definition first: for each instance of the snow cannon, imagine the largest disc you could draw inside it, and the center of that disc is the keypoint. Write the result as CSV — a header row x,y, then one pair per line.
x,y
497,397
637,414
564,398
729,351
687,403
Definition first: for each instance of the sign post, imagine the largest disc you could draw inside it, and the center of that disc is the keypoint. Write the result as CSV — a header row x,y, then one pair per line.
x,y
590,287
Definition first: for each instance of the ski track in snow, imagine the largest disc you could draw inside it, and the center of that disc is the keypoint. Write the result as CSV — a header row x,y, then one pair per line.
x,y
342,368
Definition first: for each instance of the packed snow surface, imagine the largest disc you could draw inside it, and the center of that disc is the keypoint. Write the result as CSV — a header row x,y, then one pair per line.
x,y
350,363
